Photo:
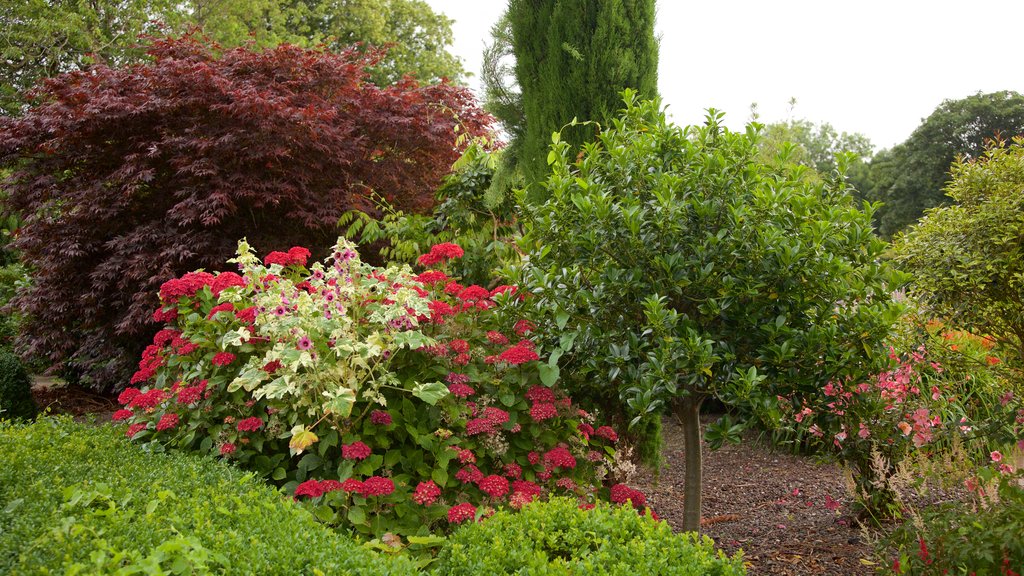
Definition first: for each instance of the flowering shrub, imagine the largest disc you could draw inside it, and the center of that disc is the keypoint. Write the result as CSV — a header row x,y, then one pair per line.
x,y
390,401
941,394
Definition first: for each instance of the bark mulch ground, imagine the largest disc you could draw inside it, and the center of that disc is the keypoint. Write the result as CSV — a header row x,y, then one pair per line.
x,y
768,503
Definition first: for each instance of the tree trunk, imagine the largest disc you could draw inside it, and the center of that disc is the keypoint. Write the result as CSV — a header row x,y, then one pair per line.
x,y
688,411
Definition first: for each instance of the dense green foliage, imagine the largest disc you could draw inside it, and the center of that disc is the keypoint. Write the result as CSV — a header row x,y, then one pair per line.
x,y
558,538
968,258
15,388
41,39
81,499
813,145
980,536
128,177
910,178
573,58
679,263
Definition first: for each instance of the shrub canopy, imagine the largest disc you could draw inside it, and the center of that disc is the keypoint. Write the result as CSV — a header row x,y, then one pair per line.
x,y
129,177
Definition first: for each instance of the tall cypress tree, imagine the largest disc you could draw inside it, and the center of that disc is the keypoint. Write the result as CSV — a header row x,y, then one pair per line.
x,y
573,58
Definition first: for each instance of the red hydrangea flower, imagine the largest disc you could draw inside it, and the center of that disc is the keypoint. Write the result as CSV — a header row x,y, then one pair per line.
x,y
272,366
517,355
134,429
461,512
226,280
480,426
533,458
148,400
466,456
277,257
355,451
426,493
431,277
225,307
527,488
524,326
165,336
453,288
298,255
377,486
566,483
469,475
540,394
191,394
513,470
497,337
620,493
186,286
585,429
595,456
440,253
543,411
503,289
222,358
559,457
127,395
462,359
227,448
352,485
380,418
167,421
607,433
459,346
168,316
494,486
461,390
249,424
474,293
309,488
330,486
496,415
121,415
247,315
456,378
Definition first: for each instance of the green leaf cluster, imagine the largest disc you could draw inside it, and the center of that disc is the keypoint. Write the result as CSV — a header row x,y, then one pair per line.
x,y
80,499
558,538
968,258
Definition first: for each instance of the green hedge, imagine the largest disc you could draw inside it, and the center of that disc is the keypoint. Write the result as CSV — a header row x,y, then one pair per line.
x,y
557,538
76,499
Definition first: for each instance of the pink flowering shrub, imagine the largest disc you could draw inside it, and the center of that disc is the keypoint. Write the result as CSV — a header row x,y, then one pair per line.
x,y
389,400
938,394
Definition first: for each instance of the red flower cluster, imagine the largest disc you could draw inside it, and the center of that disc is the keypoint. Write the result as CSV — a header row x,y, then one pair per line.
x,y
151,360
317,488
191,394
488,423
226,280
431,277
461,390
461,512
469,475
513,470
352,485
247,315
543,411
134,429
168,316
227,448
147,400
222,358
607,433
355,451
377,486
540,394
225,307
474,293
249,424
440,253
295,256
380,418
121,415
517,355
620,493
167,421
426,493
496,337
494,486
272,366
186,286
523,327
559,457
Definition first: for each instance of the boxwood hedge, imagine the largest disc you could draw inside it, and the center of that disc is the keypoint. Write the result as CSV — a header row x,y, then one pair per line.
x,y
77,499
557,538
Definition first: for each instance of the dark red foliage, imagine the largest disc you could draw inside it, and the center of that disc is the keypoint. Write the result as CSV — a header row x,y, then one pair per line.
x,y
129,177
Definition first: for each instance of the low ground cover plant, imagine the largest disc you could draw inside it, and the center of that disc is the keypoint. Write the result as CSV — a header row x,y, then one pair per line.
x,y
81,499
389,400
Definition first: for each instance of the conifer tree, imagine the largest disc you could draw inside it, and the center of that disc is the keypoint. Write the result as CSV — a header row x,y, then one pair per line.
x,y
573,58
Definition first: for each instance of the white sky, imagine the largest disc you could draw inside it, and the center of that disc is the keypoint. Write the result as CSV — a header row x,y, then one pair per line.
x,y
877,67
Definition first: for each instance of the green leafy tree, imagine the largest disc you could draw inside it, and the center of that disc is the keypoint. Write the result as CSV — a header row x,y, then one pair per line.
x,y
572,59
687,269
910,178
810,144
42,38
968,258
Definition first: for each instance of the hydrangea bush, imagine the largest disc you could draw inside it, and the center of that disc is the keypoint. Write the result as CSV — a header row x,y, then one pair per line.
x,y
389,400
